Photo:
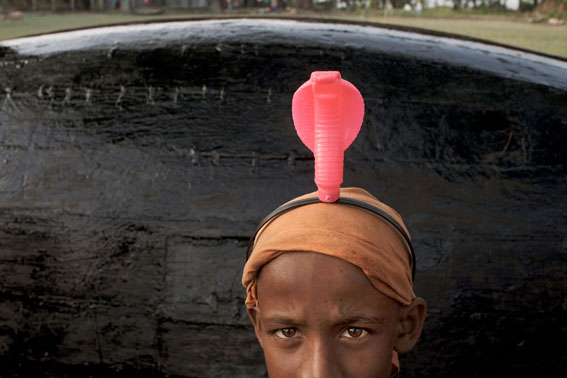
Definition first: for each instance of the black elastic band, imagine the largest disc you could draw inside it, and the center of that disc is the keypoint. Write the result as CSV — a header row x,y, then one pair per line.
x,y
343,200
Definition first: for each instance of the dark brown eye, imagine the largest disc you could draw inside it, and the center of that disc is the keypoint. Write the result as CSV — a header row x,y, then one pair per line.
x,y
355,332
286,332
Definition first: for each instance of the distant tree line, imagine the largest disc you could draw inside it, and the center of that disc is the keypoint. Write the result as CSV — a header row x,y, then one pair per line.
x,y
129,5
52,5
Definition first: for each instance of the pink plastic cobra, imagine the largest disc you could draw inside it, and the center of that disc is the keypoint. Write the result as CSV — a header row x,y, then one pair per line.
x,y
327,113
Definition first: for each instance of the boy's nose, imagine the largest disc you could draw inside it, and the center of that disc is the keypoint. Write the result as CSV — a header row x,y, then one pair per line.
x,y
321,361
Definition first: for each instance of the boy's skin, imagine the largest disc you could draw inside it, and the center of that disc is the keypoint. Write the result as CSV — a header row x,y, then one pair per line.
x,y
320,317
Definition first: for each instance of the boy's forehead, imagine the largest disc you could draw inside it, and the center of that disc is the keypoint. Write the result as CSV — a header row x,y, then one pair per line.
x,y
317,266
302,277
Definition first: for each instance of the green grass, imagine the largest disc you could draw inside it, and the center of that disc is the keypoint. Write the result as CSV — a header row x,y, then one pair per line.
x,y
45,22
538,37
511,28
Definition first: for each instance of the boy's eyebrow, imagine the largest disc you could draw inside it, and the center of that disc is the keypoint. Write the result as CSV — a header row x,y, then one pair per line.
x,y
281,319
362,319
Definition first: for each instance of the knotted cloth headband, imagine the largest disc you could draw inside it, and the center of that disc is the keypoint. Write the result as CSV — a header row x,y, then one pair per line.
x,y
350,233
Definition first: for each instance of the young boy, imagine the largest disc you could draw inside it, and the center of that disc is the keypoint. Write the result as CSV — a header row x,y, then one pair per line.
x,y
329,290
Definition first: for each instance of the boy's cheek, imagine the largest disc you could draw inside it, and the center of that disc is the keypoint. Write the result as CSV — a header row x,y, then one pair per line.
x,y
283,362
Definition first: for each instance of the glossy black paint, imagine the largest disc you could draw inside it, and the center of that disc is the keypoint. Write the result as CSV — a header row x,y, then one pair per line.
x,y
135,162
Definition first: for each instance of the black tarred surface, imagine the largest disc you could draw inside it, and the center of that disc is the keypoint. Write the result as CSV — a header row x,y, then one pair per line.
x,y
136,161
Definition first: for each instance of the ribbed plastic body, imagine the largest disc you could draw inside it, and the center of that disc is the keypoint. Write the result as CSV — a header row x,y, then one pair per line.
x,y
329,134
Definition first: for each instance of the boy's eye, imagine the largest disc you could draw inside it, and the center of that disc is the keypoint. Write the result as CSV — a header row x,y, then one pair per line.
x,y
286,333
354,333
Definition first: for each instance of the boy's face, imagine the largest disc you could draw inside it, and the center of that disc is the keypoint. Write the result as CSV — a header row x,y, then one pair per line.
x,y
319,316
